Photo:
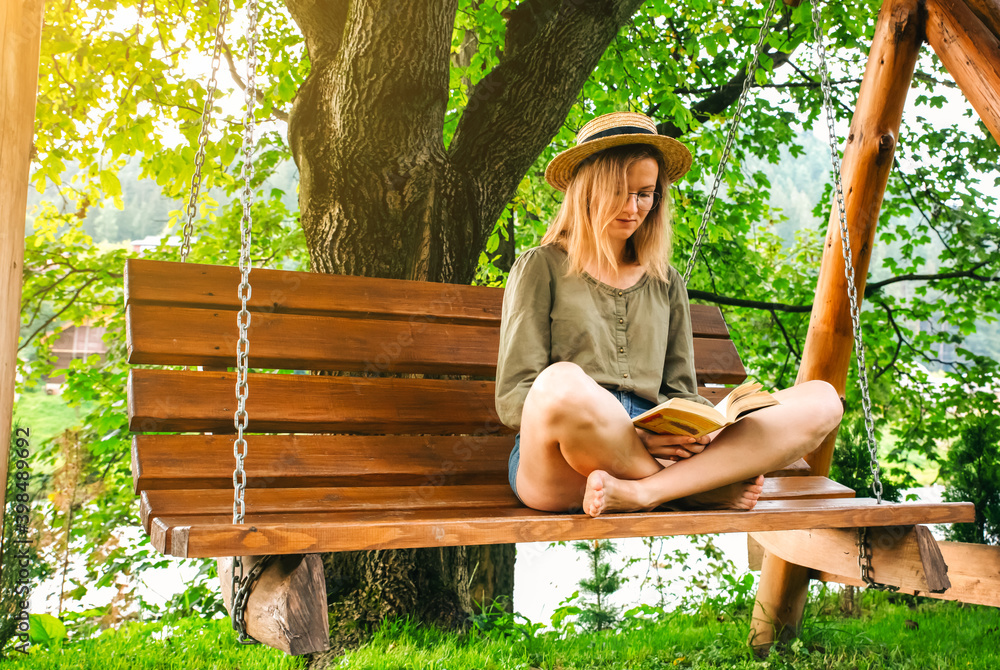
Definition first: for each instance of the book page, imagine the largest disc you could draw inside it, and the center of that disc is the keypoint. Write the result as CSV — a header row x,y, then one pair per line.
x,y
679,422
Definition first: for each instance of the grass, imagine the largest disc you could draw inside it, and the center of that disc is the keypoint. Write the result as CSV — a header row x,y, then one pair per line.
x,y
189,644
896,633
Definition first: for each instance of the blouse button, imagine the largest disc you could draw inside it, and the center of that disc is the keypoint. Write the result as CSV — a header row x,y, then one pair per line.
x,y
621,320
620,293
621,350
625,375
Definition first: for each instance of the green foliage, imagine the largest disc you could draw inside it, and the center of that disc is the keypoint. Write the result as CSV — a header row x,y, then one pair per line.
x,y
972,471
119,94
47,631
597,613
852,463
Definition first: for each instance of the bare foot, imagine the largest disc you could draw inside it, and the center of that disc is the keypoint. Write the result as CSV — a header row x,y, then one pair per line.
x,y
607,494
741,495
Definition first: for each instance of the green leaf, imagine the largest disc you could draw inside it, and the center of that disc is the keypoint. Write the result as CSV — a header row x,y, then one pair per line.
x,y
110,184
46,630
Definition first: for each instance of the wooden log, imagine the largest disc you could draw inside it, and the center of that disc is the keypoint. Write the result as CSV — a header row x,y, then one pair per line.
x,y
20,39
287,608
988,11
780,601
868,158
973,569
971,53
755,554
935,568
901,556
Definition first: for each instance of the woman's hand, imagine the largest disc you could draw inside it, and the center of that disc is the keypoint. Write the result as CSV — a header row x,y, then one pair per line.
x,y
673,447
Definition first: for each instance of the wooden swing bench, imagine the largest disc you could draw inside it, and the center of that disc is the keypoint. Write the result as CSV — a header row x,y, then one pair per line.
x,y
404,449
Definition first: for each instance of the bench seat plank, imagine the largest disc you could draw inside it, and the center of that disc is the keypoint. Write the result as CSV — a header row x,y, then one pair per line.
x,y
219,501
310,532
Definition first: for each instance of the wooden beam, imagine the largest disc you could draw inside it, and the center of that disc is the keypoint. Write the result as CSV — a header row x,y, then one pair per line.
x,y
974,571
988,12
20,39
902,556
868,157
287,607
781,599
971,53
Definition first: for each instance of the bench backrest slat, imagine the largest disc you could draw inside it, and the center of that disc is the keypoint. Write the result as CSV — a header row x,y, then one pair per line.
x,y
215,287
164,335
281,461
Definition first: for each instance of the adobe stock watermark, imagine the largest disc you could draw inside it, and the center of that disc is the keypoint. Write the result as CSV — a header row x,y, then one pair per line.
x,y
20,540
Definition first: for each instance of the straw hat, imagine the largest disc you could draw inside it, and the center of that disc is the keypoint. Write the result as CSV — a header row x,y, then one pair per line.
x,y
613,130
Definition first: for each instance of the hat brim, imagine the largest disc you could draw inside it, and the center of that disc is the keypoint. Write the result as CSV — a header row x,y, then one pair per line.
x,y
561,169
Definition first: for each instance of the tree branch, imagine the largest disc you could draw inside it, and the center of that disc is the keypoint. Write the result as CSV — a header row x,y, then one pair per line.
x,y
919,205
899,339
69,303
322,25
874,287
729,92
518,107
275,112
695,294
784,334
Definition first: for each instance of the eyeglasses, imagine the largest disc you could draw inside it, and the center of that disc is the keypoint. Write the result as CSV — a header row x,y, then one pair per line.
x,y
645,200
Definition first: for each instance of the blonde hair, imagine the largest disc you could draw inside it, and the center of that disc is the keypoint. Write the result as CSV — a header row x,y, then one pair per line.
x,y
595,197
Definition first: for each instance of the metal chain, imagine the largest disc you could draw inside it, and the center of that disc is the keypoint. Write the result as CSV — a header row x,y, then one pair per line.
x,y
206,119
845,241
240,588
241,596
730,138
865,562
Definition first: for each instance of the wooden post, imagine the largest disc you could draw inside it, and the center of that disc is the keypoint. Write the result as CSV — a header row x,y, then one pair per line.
x,y
868,158
20,40
287,608
971,54
988,12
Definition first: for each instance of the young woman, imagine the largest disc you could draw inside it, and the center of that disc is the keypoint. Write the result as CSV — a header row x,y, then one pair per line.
x,y
596,329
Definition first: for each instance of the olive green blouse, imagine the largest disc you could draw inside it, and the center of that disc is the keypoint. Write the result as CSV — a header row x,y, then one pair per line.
x,y
636,339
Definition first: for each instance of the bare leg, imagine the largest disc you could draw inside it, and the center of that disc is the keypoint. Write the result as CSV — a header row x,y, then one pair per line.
x,y
768,439
571,427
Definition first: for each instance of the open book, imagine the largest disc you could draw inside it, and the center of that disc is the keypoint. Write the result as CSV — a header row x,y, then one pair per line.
x,y
684,417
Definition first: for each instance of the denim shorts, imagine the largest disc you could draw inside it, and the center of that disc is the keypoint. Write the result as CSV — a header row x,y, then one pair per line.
x,y
632,403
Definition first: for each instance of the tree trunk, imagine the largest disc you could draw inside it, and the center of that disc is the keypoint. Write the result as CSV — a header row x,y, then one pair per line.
x,y
381,195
